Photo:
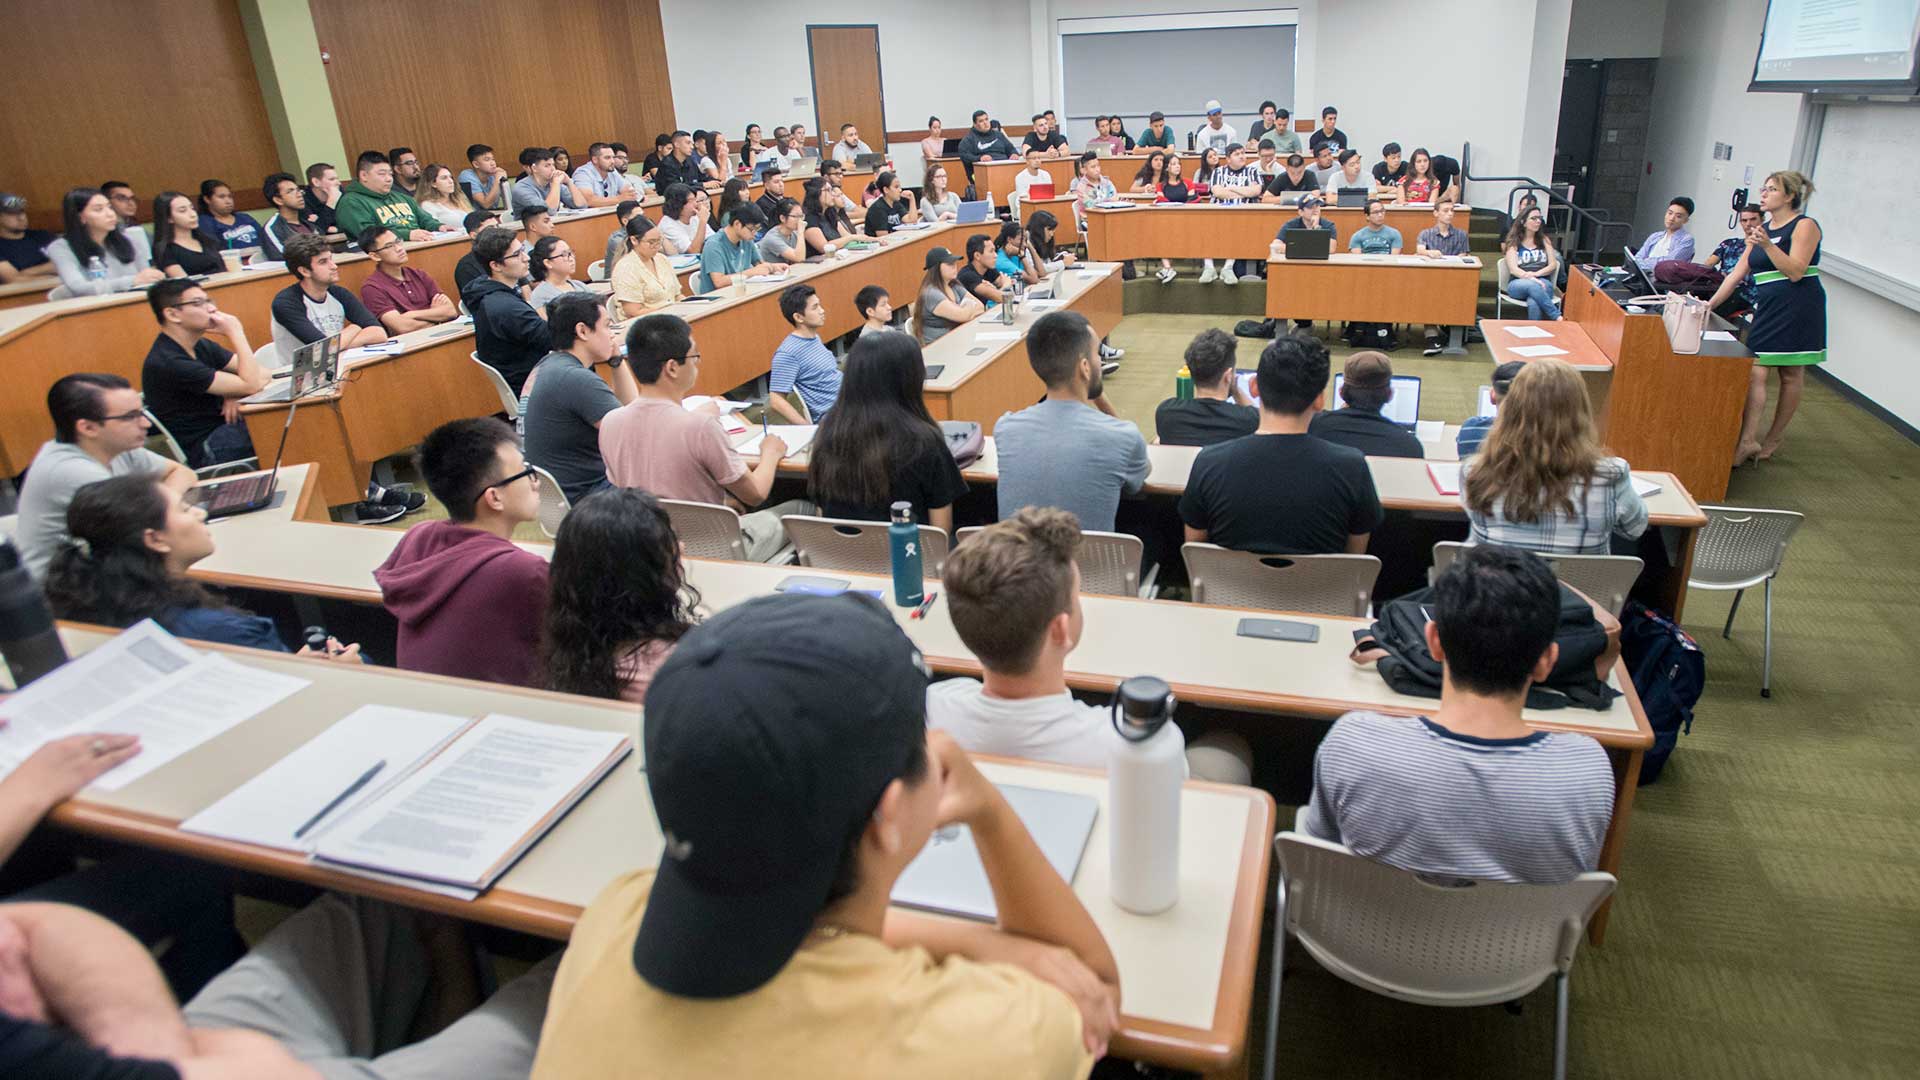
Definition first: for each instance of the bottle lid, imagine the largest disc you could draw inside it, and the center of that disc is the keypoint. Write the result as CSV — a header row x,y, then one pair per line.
x,y
902,513
1142,706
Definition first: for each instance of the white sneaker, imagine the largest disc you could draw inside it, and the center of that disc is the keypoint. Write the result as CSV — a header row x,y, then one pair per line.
x,y
1109,352
1167,275
1208,276
1227,275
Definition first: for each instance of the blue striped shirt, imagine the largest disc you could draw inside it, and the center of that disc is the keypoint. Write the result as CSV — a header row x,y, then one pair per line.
x,y
805,364
1409,793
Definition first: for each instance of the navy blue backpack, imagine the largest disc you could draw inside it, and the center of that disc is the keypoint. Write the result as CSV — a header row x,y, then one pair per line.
x,y
1669,671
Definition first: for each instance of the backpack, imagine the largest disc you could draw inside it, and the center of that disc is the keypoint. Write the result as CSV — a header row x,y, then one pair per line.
x,y
1397,642
965,441
1682,276
1256,328
1668,671
1380,336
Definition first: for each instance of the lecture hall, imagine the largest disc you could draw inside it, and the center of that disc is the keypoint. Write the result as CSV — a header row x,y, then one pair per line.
x,y
1161,544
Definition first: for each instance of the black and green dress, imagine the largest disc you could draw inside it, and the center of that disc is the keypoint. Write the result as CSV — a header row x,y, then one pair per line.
x,y
1789,317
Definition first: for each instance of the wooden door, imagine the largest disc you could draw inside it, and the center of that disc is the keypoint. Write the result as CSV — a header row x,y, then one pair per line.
x,y
846,84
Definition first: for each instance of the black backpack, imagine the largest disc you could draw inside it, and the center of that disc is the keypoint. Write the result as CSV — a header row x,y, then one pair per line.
x,y
1399,635
1668,671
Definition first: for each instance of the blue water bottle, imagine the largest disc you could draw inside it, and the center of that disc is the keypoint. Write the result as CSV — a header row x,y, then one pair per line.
x,y
903,544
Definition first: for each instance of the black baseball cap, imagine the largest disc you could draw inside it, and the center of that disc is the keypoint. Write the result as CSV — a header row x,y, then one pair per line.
x,y
770,734
939,255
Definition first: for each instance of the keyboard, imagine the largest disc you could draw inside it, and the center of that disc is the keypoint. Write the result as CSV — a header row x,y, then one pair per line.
x,y
235,495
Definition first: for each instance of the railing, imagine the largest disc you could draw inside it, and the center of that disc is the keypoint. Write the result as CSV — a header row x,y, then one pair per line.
x,y
1580,217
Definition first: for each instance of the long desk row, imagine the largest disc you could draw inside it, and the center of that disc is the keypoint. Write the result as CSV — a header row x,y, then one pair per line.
x,y
1187,973
291,550
995,180
388,403
1206,230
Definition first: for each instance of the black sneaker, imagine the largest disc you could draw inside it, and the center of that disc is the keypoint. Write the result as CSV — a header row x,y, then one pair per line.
x,y
1108,367
407,501
1433,347
375,513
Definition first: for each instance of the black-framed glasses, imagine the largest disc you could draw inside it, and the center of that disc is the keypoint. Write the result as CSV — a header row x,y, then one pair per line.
x,y
135,414
515,478
205,302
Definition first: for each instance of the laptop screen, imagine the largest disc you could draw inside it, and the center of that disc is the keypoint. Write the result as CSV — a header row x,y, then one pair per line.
x,y
1403,408
316,365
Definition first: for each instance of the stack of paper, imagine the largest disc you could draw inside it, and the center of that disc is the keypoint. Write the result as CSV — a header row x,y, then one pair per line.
x,y
1527,331
1534,352
797,437
1645,488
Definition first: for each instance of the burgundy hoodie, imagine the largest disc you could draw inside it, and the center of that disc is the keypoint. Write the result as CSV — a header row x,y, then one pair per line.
x,y
469,603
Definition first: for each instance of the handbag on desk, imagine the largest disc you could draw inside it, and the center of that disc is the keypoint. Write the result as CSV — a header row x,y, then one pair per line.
x,y
1685,318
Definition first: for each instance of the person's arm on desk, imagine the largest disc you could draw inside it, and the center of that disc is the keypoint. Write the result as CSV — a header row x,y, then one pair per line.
x,y
53,774
753,486
243,376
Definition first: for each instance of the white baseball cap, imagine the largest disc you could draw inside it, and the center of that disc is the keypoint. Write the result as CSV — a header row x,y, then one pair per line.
x,y
1212,107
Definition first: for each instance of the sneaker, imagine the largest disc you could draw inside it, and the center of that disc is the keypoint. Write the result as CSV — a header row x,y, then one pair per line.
x,y
408,501
1227,276
1167,275
1208,276
1108,352
374,513
1433,347
1108,367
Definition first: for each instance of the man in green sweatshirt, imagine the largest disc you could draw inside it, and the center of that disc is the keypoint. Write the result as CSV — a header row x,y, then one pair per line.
x,y
371,200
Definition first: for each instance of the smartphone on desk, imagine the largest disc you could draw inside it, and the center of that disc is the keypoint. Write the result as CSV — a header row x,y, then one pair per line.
x,y
1279,630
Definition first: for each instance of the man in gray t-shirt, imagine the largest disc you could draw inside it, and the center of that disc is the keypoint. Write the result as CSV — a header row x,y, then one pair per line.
x,y
565,399
99,433
1068,451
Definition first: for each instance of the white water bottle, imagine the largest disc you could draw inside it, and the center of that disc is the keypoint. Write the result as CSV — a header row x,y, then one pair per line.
x,y
1145,769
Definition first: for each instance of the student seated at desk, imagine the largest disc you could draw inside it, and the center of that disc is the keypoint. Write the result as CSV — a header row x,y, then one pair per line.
x,y
619,600
681,165
979,275
469,601
552,265
802,362
1217,411
875,306
984,141
322,196
316,305
938,201
1071,450
508,334
179,247
544,184
1391,171
334,990
440,196
1441,241
943,304
850,145
1010,258
644,280
773,190
1014,593
1673,241
99,432
1376,237
879,446
596,182
484,179
1089,186
1041,228
730,255
1473,430
566,398
1422,182
193,385
291,217
1541,480
219,220
96,255
1350,174
402,297
1281,491
131,541
1367,388
1044,139
828,226
1323,165
1310,219
1471,791
893,208
1292,177
23,251
617,239
656,444
786,241
776,776
469,267
371,200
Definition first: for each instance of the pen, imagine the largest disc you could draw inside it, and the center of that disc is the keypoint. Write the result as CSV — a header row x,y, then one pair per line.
x,y
921,611
365,778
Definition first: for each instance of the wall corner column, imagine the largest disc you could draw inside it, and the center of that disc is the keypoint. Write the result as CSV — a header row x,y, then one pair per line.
x,y
286,55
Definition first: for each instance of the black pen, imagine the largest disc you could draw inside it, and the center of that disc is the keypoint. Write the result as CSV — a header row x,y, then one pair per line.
x,y
365,778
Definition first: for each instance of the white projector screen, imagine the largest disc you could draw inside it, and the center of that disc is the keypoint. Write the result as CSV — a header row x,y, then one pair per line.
x,y
1856,46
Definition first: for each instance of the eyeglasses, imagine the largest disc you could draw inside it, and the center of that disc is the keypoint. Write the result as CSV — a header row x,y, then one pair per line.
x,y
561,255
523,474
389,244
136,414
202,302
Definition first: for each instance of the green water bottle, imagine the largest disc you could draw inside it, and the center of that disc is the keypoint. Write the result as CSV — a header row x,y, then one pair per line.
x,y
903,544
1183,384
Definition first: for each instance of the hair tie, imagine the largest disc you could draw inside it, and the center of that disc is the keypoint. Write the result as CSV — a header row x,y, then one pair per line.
x,y
80,545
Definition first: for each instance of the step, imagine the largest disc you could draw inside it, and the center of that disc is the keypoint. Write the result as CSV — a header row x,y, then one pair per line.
x,y
1186,296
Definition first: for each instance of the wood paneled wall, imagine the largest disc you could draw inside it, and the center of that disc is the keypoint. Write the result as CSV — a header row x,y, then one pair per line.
x,y
89,99
440,77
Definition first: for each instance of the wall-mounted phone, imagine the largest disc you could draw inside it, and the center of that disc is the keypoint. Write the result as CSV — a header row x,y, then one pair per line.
x,y
1739,200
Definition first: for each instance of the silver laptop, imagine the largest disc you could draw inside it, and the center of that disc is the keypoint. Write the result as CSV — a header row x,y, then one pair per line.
x,y
805,167
972,213
1403,408
316,366
947,876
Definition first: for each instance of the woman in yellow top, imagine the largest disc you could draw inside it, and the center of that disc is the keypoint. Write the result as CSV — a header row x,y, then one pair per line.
x,y
646,281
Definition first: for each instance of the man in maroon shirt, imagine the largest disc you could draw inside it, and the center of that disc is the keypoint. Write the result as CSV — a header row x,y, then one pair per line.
x,y
401,297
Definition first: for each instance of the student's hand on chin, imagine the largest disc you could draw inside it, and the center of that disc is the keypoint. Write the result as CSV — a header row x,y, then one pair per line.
x,y
965,794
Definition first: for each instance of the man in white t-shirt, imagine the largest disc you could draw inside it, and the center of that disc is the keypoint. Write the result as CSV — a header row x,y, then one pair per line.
x,y
1013,592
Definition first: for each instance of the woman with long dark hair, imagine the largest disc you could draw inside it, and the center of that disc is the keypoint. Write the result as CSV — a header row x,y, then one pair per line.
x,y
1040,229
879,445
1152,174
131,541
732,194
95,256
1531,264
552,265
179,247
618,599
827,223
1421,185
221,221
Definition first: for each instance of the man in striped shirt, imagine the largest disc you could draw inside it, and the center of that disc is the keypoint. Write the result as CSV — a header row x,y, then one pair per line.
x,y
1236,180
1471,791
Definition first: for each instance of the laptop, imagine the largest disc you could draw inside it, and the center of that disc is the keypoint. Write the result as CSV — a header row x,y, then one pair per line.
x,y
949,147
1403,408
1485,405
973,213
1292,198
867,162
225,498
947,876
1354,198
805,167
1040,191
1310,245
1637,278
314,366
1103,150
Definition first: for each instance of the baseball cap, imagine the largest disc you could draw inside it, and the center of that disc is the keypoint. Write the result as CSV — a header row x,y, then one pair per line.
x,y
12,204
1504,375
1312,200
1369,370
1212,107
939,255
770,734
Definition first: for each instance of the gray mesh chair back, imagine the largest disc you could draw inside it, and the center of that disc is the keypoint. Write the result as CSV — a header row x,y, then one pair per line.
x,y
858,547
509,403
1606,579
1109,562
554,503
708,531
1742,547
1313,584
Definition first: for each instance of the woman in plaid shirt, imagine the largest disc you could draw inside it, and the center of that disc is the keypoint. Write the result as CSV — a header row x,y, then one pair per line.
x,y
1541,480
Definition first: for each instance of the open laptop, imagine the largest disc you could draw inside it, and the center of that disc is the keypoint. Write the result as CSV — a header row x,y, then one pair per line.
x,y
973,213
947,876
314,366
805,167
1040,191
1403,408
1637,278
1354,198
949,147
866,162
1309,244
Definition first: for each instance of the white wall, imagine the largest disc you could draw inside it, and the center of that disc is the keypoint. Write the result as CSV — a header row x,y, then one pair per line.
x,y
1700,96
1605,29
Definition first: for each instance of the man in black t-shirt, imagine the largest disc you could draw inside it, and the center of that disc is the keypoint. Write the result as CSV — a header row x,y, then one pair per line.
x,y
23,251
978,275
1217,411
1327,134
1280,491
1391,169
192,384
892,209
1043,138
1365,391
1293,176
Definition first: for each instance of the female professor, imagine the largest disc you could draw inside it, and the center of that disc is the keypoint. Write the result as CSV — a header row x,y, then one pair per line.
x,y
1790,308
